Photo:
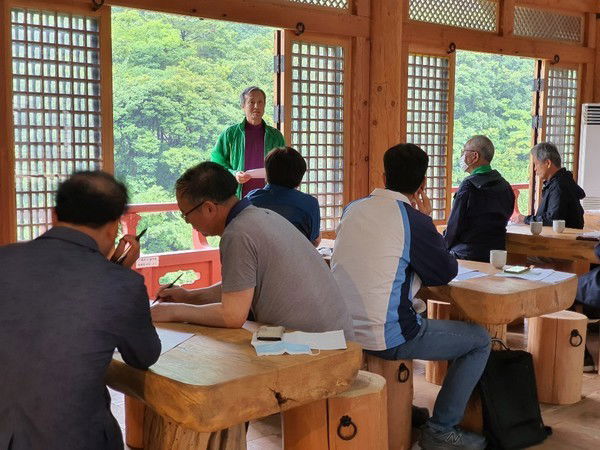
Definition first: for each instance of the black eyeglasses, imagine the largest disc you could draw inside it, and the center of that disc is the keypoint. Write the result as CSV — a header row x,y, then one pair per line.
x,y
185,214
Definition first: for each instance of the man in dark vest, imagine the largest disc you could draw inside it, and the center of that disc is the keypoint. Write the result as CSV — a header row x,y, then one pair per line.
x,y
560,193
482,205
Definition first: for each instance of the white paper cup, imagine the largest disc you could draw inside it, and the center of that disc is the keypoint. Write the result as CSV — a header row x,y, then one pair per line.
x,y
498,258
536,227
558,226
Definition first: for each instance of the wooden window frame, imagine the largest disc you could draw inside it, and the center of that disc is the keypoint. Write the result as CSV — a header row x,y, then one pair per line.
x,y
8,224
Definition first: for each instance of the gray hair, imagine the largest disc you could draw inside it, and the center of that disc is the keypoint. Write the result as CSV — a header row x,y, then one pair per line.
x,y
247,92
546,151
482,145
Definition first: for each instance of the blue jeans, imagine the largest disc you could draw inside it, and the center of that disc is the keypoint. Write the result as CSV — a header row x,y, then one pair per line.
x,y
467,344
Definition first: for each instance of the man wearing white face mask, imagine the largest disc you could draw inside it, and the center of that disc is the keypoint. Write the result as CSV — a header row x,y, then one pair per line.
x,y
482,205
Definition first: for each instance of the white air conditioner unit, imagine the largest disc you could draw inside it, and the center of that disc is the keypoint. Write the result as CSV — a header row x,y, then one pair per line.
x,y
589,155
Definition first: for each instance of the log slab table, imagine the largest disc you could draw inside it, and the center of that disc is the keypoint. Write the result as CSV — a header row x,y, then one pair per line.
x,y
493,302
214,380
549,244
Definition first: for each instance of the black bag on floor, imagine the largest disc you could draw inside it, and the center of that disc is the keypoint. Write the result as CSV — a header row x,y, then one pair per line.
x,y
511,412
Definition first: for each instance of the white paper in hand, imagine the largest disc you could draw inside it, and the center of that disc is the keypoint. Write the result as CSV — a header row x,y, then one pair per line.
x,y
257,173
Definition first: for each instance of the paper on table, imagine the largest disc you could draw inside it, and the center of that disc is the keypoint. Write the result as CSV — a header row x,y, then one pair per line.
x,y
329,340
462,270
590,235
257,173
169,339
537,274
556,277
468,275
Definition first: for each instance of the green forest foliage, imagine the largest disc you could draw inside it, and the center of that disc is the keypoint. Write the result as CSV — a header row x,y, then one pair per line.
x,y
177,82
493,96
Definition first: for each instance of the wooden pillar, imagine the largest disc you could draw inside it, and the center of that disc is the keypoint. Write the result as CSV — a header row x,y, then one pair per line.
x,y
557,343
8,221
357,174
388,80
399,378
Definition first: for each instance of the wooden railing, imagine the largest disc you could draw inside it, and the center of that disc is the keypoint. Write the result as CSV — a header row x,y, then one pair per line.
x,y
202,259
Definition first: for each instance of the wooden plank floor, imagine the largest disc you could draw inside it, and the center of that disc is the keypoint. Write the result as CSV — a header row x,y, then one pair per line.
x,y
575,426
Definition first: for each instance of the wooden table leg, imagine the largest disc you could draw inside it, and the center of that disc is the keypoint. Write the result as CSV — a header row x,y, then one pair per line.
x,y
161,433
305,427
473,418
134,422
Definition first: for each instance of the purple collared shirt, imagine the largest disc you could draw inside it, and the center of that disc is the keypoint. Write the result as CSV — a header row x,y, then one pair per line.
x,y
254,155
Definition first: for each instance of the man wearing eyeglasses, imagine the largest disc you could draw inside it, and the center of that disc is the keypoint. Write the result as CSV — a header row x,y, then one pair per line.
x,y
482,205
268,266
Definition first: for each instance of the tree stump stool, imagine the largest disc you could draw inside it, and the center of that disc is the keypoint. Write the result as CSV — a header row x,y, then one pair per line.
x,y
557,343
353,420
399,378
435,371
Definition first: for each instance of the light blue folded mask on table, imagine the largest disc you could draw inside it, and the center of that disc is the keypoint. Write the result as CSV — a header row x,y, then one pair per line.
x,y
281,347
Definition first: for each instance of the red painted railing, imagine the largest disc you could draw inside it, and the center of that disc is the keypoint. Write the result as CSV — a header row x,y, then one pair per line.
x,y
202,259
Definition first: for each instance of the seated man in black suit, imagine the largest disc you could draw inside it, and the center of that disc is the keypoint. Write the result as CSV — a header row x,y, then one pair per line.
x,y
65,308
482,205
561,195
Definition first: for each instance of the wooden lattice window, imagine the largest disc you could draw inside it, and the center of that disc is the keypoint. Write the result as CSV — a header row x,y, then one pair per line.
x,y
561,112
471,14
428,123
339,4
56,108
539,23
317,122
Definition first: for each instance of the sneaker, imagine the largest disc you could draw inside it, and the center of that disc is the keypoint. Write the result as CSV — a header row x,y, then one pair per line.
x,y
446,440
419,416
588,362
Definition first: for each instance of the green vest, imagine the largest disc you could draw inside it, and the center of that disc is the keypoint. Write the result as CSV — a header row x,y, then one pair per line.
x,y
229,150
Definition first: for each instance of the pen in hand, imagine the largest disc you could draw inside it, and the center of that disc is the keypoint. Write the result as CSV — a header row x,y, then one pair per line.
x,y
168,287
124,255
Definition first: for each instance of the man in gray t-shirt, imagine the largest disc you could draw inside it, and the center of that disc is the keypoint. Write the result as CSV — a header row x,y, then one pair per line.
x,y
268,266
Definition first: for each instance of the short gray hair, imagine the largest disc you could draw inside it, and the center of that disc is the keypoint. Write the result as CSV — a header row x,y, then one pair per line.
x,y
247,92
482,145
546,151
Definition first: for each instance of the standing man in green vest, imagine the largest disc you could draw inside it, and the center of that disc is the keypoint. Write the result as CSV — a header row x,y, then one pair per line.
x,y
243,146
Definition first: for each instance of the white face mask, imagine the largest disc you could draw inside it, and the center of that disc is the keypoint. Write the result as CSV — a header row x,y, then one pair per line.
x,y
463,163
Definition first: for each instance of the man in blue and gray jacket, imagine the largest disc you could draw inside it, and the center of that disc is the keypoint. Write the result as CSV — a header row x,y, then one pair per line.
x,y
482,205
387,247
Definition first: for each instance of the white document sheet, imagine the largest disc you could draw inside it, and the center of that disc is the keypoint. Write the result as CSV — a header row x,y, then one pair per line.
x,y
557,277
170,339
257,173
468,275
329,340
462,270
536,274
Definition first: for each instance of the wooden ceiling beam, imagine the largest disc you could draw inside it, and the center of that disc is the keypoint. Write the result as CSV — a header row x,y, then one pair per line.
x,y
278,15
433,35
